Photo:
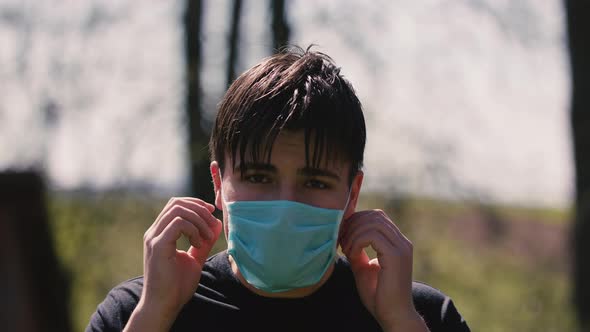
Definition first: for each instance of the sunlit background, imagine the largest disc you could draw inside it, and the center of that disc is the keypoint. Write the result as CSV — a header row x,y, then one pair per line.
x,y
466,105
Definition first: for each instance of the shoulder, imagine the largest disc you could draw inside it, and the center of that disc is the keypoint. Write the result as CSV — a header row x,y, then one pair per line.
x,y
218,263
113,313
426,295
217,271
128,292
437,308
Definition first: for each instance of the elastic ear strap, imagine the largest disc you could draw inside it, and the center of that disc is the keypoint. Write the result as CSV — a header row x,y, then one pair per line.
x,y
347,199
221,188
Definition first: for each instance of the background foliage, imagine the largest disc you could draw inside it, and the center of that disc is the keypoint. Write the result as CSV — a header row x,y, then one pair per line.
x,y
496,285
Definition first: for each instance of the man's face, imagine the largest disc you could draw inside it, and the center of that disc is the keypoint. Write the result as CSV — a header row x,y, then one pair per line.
x,y
286,177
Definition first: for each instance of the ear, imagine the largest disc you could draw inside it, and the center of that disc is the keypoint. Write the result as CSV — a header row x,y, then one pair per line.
x,y
355,191
216,176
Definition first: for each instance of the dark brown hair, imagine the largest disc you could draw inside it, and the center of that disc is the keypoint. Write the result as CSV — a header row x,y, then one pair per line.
x,y
293,90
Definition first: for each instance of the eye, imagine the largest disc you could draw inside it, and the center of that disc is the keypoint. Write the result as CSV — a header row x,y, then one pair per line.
x,y
316,184
257,178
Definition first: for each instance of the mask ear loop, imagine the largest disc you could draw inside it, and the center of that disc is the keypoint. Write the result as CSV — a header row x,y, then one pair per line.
x,y
225,222
347,201
223,196
337,235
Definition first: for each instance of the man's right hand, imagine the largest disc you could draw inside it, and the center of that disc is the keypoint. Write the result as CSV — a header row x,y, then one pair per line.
x,y
171,276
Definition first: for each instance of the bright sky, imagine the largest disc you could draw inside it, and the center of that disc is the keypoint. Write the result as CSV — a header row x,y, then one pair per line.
x,y
461,98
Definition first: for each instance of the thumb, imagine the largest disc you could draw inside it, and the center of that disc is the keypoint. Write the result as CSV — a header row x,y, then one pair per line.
x,y
199,254
210,207
358,259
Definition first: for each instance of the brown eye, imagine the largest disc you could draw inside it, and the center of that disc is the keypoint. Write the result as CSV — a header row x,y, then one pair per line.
x,y
257,178
316,184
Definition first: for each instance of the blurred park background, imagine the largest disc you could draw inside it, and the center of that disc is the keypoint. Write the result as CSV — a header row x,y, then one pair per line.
x,y
467,106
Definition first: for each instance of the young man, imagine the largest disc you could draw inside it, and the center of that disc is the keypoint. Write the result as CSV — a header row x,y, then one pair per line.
x,y
287,151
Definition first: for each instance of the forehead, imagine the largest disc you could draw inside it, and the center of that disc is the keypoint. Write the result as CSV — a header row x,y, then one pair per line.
x,y
288,149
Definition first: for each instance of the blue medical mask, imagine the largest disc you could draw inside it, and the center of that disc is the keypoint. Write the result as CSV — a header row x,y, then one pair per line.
x,y
282,245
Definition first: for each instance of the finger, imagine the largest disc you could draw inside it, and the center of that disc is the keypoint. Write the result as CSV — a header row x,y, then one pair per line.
x,y
381,226
204,209
399,232
191,211
200,254
380,220
346,225
357,259
190,215
393,239
343,230
210,207
389,256
174,230
166,207
153,225
214,224
179,200
364,216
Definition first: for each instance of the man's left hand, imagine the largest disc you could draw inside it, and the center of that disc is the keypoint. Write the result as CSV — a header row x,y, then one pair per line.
x,y
384,283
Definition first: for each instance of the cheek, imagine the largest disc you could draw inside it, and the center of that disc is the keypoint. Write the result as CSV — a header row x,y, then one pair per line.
x,y
331,199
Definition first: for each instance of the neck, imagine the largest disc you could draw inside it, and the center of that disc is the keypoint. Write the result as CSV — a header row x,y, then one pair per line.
x,y
294,293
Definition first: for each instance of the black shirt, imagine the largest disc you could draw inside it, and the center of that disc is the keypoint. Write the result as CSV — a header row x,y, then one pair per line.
x,y
222,303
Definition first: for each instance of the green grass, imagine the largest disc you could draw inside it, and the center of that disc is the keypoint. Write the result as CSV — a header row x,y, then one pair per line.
x,y
548,215
99,240
494,291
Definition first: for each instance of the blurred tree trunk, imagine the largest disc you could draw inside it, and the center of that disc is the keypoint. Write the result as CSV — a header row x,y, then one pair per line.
x,y
35,289
280,26
201,186
234,37
578,25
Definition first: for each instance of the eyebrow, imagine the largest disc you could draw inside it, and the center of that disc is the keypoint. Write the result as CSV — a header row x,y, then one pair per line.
x,y
306,171
312,171
256,167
